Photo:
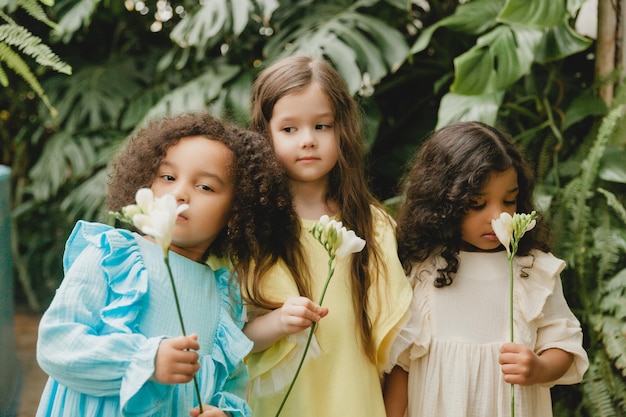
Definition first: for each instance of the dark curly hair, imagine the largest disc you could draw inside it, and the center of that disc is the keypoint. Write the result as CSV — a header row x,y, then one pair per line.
x,y
451,168
261,195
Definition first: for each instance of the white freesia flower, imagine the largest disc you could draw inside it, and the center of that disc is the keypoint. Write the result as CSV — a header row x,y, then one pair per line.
x,y
155,217
510,229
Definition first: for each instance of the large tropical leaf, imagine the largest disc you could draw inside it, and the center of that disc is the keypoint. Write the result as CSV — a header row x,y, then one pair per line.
x,y
473,18
76,14
456,107
356,43
64,156
499,58
97,95
209,22
533,13
195,95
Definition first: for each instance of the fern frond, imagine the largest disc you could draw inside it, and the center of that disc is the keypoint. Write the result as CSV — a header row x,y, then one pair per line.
x,y
34,9
580,189
614,203
33,46
613,293
17,64
4,80
597,390
612,332
608,243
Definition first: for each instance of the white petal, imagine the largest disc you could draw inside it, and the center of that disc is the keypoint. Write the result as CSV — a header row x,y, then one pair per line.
x,y
503,228
351,243
531,225
144,198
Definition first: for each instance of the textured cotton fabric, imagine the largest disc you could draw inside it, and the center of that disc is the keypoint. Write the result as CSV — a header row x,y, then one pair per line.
x,y
453,362
339,380
99,338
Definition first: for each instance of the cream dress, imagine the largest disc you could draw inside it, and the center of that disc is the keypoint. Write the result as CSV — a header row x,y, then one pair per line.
x,y
459,329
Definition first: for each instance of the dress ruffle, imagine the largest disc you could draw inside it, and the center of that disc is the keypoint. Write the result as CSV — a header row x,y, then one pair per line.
x,y
532,291
278,373
123,268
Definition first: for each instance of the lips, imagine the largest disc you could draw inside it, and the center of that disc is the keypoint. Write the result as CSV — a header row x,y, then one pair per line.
x,y
307,158
490,236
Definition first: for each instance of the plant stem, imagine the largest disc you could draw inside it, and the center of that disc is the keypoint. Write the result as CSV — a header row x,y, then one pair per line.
x,y
331,271
182,325
511,323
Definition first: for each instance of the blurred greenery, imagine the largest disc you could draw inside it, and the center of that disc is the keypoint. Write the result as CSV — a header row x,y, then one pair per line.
x,y
412,65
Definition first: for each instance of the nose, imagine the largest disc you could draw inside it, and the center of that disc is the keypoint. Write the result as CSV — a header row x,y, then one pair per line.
x,y
180,193
308,139
495,210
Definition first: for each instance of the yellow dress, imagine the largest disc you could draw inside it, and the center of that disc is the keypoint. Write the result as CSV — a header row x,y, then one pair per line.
x,y
340,381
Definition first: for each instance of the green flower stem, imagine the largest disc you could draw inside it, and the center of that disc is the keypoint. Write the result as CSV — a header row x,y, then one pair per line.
x,y
182,324
331,271
511,324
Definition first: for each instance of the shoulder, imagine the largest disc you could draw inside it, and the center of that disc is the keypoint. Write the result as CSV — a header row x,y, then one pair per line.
x,y
424,273
540,265
230,295
107,239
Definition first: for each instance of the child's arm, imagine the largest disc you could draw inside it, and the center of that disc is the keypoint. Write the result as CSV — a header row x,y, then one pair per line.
x,y
520,365
396,392
296,314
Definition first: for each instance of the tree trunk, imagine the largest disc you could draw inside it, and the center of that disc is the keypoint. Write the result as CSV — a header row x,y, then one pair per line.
x,y
610,45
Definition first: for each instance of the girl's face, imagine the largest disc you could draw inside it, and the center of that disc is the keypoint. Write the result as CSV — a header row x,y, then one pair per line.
x,y
303,132
196,172
499,195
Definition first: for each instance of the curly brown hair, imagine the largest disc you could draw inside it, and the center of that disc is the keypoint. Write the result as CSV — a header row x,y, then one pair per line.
x,y
348,185
448,172
261,195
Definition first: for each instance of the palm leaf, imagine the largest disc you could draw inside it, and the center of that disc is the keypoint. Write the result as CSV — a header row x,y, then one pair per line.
x,y
363,48
196,94
64,156
76,14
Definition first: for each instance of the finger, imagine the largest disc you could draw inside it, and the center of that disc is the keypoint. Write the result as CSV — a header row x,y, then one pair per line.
x,y
185,342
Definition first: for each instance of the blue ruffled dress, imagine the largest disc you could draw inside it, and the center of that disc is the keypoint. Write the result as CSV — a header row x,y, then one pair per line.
x,y
98,339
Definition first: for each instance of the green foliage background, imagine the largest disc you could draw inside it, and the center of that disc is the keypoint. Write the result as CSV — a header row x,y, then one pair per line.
x,y
413,66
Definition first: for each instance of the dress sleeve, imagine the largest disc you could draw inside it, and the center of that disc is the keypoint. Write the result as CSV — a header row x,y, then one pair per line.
x,y
231,347
414,339
87,337
557,327
390,296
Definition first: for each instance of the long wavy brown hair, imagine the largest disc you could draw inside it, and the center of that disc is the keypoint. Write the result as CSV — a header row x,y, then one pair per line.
x,y
448,172
261,191
347,182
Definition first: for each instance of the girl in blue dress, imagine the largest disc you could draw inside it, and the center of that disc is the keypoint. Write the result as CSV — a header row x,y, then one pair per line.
x,y
111,340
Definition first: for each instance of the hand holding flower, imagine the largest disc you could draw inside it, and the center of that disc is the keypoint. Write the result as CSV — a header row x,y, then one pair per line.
x,y
299,313
339,243
176,362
